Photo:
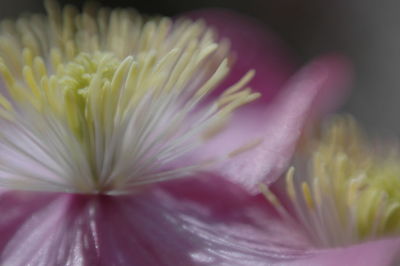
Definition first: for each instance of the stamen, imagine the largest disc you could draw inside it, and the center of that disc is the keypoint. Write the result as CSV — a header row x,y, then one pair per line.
x,y
275,202
350,192
307,196
245,147
106,101
290,184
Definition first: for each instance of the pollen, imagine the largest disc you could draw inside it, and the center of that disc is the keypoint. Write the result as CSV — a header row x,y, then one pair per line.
x,y
350,191
105,101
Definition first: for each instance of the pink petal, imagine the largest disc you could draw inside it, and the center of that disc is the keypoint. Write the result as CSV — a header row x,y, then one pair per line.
x,y
205,221
377,253
277,125
45,229
188,222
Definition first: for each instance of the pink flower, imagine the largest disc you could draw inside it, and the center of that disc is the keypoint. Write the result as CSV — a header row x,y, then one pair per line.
x,y
344,200
84,147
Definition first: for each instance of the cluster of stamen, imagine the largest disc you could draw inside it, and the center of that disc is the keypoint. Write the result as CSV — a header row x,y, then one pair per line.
x,y
106,101
350,191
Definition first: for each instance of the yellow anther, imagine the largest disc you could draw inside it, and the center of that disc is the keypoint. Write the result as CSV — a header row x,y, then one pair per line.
x,y
31,81
4,103
290,189
8,77
245,147
219,74
40,68
270,196
215,129
28,57
56,58
353,190
307,195
240,84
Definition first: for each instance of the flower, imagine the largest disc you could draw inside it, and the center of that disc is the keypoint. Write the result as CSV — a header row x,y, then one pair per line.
x,y
98,108
348,194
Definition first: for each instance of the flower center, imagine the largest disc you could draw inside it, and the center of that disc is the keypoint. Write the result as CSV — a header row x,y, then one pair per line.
x,y
350,193
92,114
76,81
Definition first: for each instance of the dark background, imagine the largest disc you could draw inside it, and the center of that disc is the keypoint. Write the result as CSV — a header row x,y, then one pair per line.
x,y
367,31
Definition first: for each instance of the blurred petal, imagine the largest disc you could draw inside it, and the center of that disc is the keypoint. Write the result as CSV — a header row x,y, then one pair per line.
x,y
377,253
179,223
277,126
337,90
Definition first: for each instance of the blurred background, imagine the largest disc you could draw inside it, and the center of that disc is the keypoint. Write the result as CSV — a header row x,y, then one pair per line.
x,y
366,31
